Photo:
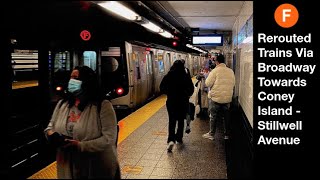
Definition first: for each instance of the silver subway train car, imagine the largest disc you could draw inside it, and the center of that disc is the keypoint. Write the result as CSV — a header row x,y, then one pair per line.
x,y
137,70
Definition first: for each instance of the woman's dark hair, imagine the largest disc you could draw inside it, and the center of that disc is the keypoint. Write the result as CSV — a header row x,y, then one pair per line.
x,y
177,66
89,92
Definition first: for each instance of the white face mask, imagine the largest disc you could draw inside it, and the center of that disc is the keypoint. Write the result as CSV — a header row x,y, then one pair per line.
x,y
74,85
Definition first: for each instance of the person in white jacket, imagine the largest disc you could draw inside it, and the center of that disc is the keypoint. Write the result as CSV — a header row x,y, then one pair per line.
x,y
221,82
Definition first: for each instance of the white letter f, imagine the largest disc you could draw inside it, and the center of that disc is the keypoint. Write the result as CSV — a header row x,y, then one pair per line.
x,y
284,14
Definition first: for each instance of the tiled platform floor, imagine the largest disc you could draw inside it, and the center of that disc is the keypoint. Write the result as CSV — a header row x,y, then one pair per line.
x,y
142,149
143,154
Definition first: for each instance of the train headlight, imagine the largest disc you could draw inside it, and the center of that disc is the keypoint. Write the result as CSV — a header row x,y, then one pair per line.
x,y
58,88
119,91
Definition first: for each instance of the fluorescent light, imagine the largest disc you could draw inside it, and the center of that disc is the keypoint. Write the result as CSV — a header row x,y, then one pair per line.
x,y
152,27
166,34
123,11
119,9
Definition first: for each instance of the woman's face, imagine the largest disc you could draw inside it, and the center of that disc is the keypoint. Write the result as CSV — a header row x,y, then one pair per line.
x,y
74,74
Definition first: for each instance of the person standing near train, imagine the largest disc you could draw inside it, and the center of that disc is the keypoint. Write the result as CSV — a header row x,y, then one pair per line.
x,y
221,82
178,86
85,137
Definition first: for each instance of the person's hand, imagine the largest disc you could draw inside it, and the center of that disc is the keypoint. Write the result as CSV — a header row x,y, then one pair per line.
x,y
71,143
50,132
199,77
55,139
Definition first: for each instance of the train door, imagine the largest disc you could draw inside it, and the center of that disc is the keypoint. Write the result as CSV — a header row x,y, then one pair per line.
x,y
137,77
161,70
167,62
134,76
150,74
174,58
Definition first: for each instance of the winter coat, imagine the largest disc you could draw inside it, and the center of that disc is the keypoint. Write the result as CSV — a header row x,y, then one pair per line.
x,y
96,156
179,87
221,82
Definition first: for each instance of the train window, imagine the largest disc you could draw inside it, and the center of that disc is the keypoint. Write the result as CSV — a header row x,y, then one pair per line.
x,y
167,62
160,61
135,58
149,67
110,64
62,61
25,68
90,59
142,63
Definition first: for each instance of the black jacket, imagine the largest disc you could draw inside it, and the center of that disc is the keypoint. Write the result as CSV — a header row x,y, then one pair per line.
x,y
179,87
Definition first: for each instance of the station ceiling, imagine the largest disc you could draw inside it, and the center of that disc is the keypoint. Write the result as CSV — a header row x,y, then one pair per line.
x,y
208,16
58,21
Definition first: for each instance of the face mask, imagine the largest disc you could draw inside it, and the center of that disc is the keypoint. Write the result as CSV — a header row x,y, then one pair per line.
x,y
74,85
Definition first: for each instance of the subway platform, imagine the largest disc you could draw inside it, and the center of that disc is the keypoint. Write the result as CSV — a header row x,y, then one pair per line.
x,y
142,148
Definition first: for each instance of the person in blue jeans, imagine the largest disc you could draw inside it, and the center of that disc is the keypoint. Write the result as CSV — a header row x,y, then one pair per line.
x,y
221,82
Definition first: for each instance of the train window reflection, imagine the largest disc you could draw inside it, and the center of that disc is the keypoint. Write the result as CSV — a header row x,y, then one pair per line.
x,y
161,64
135,58
90,59
110,64
62,60
168,62
24,68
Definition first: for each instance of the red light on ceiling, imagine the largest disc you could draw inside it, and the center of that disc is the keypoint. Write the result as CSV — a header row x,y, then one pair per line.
x,y
85,35
58,88
84,5
119,91
174,43
148,49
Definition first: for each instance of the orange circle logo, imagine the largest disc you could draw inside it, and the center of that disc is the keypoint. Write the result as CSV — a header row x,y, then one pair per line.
x,y
286,15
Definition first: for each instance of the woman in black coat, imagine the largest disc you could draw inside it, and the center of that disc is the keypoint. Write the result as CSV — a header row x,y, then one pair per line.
x,y
179,87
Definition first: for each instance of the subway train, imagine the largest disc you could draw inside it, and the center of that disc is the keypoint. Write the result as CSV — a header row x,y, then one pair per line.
x,y
129,72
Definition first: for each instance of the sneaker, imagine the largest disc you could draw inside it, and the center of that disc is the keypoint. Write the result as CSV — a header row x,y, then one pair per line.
x,y
170,146
179,142
208,136
188,129
226,137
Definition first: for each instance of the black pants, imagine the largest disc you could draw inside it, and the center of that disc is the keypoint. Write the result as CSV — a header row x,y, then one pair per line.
x,y
191,110
173,135
176,114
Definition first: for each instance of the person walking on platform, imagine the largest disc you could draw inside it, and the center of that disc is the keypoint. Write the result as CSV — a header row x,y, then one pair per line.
x,y
186,68
193,109
83,128
191,106
178,86
221,82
